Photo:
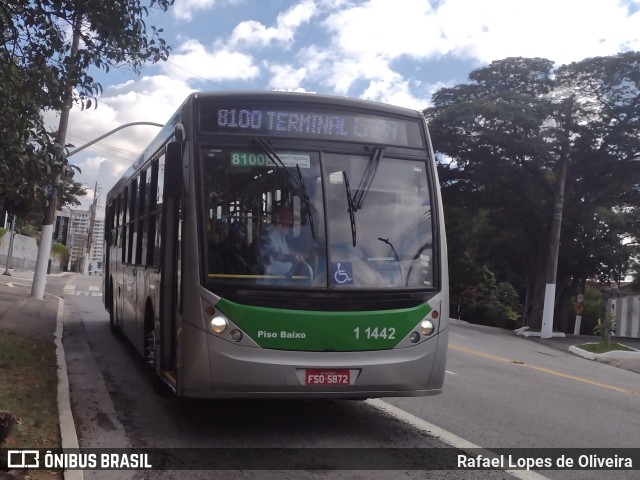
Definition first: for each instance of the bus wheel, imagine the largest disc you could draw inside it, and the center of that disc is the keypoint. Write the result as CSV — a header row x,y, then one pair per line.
x,y
112,326
150,348
160,388
149,337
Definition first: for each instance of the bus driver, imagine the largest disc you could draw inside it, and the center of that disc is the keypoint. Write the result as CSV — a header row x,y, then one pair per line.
x,y
277,256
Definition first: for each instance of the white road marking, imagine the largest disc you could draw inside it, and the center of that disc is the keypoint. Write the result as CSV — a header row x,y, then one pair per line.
x,y
452,373
445,436
92,292
457,335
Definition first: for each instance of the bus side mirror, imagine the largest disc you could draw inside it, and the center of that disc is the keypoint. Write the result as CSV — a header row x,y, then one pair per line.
x,y
173,169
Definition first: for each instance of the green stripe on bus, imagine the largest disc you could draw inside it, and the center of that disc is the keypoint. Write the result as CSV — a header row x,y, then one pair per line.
x,y
301,330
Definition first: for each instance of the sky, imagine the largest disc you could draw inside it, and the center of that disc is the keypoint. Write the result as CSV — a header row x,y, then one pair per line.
x,y
393,51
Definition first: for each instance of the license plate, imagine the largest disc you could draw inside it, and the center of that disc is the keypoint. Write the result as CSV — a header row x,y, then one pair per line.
x,y
327,377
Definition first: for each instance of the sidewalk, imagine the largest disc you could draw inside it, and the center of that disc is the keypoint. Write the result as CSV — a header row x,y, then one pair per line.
x,y
563,344
21,314
40,319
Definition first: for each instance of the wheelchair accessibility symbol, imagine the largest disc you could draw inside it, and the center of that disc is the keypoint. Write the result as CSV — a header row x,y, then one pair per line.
x,y
342,272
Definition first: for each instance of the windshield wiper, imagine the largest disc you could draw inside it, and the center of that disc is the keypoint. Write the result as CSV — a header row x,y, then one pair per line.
x,y
306,200
367,178
297,182
352,209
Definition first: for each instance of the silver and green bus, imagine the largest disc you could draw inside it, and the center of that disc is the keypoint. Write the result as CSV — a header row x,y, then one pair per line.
x,y
276,244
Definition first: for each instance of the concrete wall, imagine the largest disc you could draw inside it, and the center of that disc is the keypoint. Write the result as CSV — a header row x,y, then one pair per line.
x,y
25,253
627,312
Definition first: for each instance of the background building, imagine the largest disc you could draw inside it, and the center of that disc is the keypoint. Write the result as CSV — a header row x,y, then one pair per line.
x,y
86,251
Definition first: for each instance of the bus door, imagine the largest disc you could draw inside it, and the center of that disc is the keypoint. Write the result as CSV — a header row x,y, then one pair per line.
x,y
169,263
129,304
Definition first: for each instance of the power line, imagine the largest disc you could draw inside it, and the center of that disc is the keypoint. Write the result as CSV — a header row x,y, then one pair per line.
x,y
199,76
104,147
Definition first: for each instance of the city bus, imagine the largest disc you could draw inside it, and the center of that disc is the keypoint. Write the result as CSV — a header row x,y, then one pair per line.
x,y
279,244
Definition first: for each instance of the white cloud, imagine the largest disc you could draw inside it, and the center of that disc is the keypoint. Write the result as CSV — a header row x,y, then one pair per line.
x,y
562,31
368,39
286,77
394,92
382,28
193,61
184,9
253,33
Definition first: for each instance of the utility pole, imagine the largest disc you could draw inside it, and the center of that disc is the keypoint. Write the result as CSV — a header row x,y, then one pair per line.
x,y
556,225
44,251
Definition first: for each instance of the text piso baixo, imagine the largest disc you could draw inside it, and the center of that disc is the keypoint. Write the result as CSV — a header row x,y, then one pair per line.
x,y
367,333
281,334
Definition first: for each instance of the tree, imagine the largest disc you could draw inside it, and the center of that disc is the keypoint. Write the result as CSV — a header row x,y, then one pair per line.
x,y
603,176
22,159
52,45
525,145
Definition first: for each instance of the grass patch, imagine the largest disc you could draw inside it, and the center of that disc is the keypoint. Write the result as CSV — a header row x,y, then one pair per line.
x,y
604,348
28,390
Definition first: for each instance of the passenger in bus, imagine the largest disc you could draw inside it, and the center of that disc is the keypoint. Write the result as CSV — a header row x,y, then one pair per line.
x,y
277,256
217,233
236,255
213,262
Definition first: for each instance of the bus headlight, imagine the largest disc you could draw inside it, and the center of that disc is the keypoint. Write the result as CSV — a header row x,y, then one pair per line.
x,y
218,324
426,327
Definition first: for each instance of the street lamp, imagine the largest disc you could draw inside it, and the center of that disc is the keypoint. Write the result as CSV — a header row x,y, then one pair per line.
x,y
40,275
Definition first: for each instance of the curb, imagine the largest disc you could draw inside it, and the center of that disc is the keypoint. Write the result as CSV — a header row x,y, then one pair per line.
x,y
68,435
618,355
522,331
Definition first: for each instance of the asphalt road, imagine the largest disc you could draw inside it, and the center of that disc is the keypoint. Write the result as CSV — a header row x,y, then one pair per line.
x,y
501,391
507,391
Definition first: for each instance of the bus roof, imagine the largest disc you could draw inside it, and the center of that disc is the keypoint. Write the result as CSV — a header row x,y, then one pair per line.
x,y
304,97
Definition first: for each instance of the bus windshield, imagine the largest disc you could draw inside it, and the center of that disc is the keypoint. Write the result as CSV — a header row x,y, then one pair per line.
x,y
293,218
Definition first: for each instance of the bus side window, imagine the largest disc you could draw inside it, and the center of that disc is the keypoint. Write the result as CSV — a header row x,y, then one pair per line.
x,y
123,205
113,241
159,177
142,218
152,187
132,219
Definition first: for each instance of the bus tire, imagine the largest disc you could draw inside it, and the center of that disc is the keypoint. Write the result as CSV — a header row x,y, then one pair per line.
x,y
149,337
160,388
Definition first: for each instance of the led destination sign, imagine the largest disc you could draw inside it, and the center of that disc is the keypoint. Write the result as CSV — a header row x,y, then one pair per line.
x,y
328,125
